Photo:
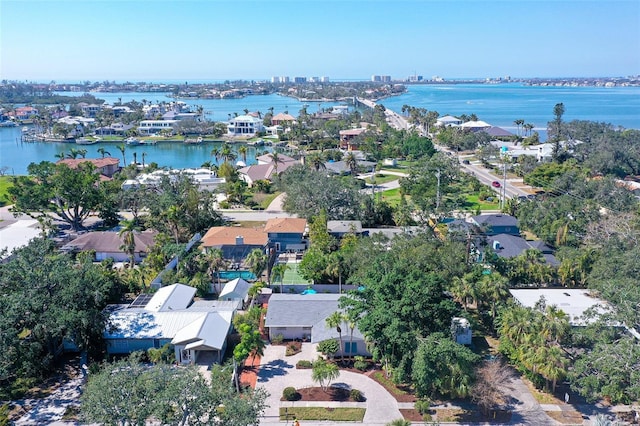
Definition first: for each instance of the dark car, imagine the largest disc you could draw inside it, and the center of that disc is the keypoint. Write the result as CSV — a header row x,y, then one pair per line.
x,y
465,161
495,184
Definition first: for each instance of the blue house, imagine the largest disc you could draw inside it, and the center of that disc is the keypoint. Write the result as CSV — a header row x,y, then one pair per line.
x,y
494,224
286,234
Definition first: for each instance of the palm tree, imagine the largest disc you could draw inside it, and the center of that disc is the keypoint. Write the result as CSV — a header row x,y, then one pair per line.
x,y
82,152
257,262
243,152
277,274
215,263
352,162
463,290
495,288
215,153
103,152
519,122
60,156
275,159
334,321
122,148
127,234
226,154
73,153
144,154
315,160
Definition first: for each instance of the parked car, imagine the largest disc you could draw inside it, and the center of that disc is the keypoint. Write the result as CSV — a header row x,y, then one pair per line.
x,y
465,161
495,184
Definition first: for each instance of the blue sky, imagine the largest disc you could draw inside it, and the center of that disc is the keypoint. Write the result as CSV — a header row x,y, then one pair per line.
x,y
214,39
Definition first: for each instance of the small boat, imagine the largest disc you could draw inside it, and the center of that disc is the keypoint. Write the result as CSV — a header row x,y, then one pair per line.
x,y
132,141
86,141
148,142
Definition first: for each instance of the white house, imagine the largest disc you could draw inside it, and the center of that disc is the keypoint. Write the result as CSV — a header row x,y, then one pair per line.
x,y
237,289
448,120
461,330
198,330
244,125
151,127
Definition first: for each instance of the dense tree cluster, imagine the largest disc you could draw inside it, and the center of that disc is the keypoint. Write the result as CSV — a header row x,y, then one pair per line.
x,y
47,298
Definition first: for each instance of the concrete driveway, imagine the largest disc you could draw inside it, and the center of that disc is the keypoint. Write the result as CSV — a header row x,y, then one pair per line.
x,y
278,371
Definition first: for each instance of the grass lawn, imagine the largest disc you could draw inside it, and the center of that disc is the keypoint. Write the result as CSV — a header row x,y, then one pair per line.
x,y
5,184
391,196
382,178
473,202
321,413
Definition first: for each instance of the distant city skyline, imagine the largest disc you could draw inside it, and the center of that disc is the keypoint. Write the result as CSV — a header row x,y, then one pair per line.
x,y
67,40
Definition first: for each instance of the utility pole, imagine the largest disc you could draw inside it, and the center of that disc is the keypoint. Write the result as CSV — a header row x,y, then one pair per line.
x,y
438,190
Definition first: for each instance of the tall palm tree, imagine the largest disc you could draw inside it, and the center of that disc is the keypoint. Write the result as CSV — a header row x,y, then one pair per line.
x,y
215,263
463,290
127,234
73,153
122,148
227,154
243,152
316,162
257,262
352,162
103,152
277,274
144,154
135,158
215,153
334,321
276,159
519,122
82,153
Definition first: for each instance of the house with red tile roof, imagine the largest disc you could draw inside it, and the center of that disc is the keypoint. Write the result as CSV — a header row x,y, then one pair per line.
x,y
106,166
235,243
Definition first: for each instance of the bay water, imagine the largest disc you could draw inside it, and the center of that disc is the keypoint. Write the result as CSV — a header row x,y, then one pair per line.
x,y
497,104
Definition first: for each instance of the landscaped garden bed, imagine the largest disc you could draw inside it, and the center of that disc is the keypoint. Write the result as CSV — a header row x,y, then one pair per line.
x,y
321,413
332,394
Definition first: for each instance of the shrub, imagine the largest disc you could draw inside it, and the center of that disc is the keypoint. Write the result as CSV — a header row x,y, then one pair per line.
x,y
423,406
277,339
328,347
360,363
290,394
292,349
304,364
356,395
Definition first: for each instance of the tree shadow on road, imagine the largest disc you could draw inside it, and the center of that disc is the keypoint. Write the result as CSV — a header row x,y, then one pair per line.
x,y
272,369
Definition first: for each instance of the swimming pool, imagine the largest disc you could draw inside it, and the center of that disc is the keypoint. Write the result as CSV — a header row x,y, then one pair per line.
x,y
232,275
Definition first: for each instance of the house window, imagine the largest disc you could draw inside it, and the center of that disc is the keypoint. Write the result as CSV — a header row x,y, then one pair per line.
x,y
278,247
351,347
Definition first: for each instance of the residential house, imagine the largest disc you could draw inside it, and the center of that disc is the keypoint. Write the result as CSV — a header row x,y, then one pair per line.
x,y
348,137
235,243
106,166
197,330
204,179
90,110
475,126
448,120
24,113
508,246
266,168
498,132
109,245
340,228
282,119
287,234
498,223
244,125
236,290
152,127
342,168
304,317
115,129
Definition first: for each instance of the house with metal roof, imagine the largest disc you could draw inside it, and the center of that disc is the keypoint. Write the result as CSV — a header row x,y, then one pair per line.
x,y
197,329
304,317
339,228
236,290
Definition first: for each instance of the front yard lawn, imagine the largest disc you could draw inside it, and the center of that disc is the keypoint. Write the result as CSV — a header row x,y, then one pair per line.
x,y
321,413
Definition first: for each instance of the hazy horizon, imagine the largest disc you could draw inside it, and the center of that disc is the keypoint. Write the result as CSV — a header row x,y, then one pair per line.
x,y
217,40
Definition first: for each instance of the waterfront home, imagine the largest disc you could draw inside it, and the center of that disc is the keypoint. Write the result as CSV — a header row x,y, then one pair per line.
x,y
235,243
24,113
152,127
244,125
115,129
448,120
106,166
348,137
197,330
304,317
475,126
204,179
282,119
109,245
90,110
287,234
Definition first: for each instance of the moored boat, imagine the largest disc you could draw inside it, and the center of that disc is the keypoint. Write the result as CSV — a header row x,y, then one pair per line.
x,y
132,141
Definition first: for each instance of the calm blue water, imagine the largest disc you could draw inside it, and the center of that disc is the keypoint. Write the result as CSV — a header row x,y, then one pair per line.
x,y
498,105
